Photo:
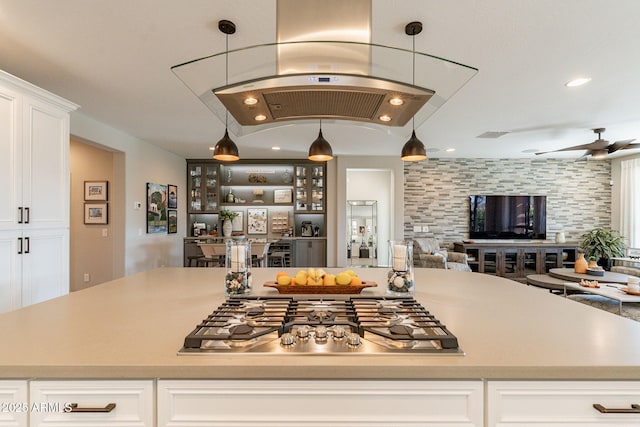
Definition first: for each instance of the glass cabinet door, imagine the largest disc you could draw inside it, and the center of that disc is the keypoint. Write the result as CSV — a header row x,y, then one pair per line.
x,y
211,188
317,188
203,188
195,187
309,188
302,198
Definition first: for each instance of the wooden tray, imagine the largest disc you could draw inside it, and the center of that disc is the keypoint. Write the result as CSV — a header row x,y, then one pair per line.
x,y
630,292
304,289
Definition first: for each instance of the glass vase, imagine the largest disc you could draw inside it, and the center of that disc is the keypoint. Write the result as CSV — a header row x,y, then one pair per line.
x,y
400,277
237,281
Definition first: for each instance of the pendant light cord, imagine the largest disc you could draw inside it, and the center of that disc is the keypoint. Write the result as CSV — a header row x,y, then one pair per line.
x,y
413,76
226,77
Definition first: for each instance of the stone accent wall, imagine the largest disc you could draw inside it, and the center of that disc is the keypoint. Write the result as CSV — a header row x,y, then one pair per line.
x,y
436,193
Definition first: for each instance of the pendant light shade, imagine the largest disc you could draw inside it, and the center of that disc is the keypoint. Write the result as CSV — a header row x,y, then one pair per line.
x,y
320,150
413,150
226,150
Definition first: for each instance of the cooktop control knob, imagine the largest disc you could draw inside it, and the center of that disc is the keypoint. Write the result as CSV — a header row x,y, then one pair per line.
x,y
338,332
303,331
287,339
321,333
353,340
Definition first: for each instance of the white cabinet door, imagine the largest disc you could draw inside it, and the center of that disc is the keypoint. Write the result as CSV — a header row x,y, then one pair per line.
x,y
563,403
319,403
14,403
10,158
45,164
45,265
95,403
10,271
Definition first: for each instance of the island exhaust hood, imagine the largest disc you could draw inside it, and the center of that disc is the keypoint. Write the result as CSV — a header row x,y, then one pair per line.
x,y
323,66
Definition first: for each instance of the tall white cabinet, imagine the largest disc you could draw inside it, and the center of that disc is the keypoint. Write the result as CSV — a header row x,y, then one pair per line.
x,y
34,176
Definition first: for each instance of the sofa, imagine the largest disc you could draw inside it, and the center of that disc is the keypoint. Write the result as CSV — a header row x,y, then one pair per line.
x,y
428,253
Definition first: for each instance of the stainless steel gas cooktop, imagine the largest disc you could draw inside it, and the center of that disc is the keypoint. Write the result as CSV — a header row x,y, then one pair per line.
x,y
330,324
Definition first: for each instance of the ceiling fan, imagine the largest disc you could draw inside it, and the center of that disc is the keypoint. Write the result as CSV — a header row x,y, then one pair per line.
x,y
600,148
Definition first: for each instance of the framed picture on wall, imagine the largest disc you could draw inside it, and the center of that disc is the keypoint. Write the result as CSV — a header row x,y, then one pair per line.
x,y
172,201
237,223
172,221
96,213
96,190
156,208
257,221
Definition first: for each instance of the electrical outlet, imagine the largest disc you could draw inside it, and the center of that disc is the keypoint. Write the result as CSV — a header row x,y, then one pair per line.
x,y
86,278
425,228
137,205
417,229
105,232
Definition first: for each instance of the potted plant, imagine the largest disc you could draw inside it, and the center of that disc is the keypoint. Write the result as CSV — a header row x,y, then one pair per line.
x,y
603,244
226,216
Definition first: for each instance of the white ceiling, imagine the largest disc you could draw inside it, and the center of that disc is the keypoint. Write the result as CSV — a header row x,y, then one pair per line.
x,y
113,57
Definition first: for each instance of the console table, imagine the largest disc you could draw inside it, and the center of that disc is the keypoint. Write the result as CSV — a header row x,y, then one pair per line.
x,y
517,260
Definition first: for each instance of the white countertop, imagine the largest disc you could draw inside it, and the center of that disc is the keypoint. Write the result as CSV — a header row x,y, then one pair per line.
x,y
134,326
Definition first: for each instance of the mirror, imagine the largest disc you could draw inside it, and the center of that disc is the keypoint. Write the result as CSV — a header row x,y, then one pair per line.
x,y
362,245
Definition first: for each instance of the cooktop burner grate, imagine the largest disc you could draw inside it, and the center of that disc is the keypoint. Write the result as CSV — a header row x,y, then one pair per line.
x,y
318,325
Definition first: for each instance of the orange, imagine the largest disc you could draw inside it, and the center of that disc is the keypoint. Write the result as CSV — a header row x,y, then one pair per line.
x,y
280,273
356,281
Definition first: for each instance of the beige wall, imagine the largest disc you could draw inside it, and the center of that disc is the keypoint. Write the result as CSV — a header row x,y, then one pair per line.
x,y
142,163
94,249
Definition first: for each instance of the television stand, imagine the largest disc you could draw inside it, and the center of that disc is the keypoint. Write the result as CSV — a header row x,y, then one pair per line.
x,y
516,260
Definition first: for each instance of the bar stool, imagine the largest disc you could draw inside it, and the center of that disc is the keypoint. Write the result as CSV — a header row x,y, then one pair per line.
x,y
278,259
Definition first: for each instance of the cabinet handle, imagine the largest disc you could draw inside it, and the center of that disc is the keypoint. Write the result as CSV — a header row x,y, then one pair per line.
x,y
21,213
635,409
27,210
19,245
26,241
75,408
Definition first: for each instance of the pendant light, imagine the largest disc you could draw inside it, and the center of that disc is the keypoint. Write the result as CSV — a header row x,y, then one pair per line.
x,y
320,150
413,149
226,150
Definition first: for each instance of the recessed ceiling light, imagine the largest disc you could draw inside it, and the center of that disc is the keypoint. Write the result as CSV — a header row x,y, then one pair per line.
x,y
385,118
260,117
578,82
396,101
450,150
275,148
212,148
250,101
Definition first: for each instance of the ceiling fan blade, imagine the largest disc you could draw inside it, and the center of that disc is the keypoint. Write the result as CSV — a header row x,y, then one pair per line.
x,y
583,158
622,145
577,147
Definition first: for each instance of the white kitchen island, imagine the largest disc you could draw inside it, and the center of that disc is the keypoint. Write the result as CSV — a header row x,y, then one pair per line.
x,y
518,341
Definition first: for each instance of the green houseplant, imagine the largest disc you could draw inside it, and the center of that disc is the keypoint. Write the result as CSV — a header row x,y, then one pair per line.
x,y
226,214
603,244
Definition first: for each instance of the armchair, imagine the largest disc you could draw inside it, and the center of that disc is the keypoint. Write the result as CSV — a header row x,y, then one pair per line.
x,y
427,253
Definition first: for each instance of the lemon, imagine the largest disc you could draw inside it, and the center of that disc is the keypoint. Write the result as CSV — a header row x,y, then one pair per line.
x,y
283,279
343,278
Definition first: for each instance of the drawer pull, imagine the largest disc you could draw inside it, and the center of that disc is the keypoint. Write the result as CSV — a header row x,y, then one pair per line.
x,y
635,409
75,408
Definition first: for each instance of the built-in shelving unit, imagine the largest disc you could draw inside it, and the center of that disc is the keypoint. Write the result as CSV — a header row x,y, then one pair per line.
x,y
290,192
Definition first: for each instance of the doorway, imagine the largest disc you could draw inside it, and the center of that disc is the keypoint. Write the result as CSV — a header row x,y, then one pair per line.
x,y
369,216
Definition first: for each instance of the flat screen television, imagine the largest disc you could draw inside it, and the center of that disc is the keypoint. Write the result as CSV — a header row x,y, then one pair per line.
x,y
507,217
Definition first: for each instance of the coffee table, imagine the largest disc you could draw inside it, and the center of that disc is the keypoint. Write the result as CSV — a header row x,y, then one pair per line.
x,y
571,276
608,290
